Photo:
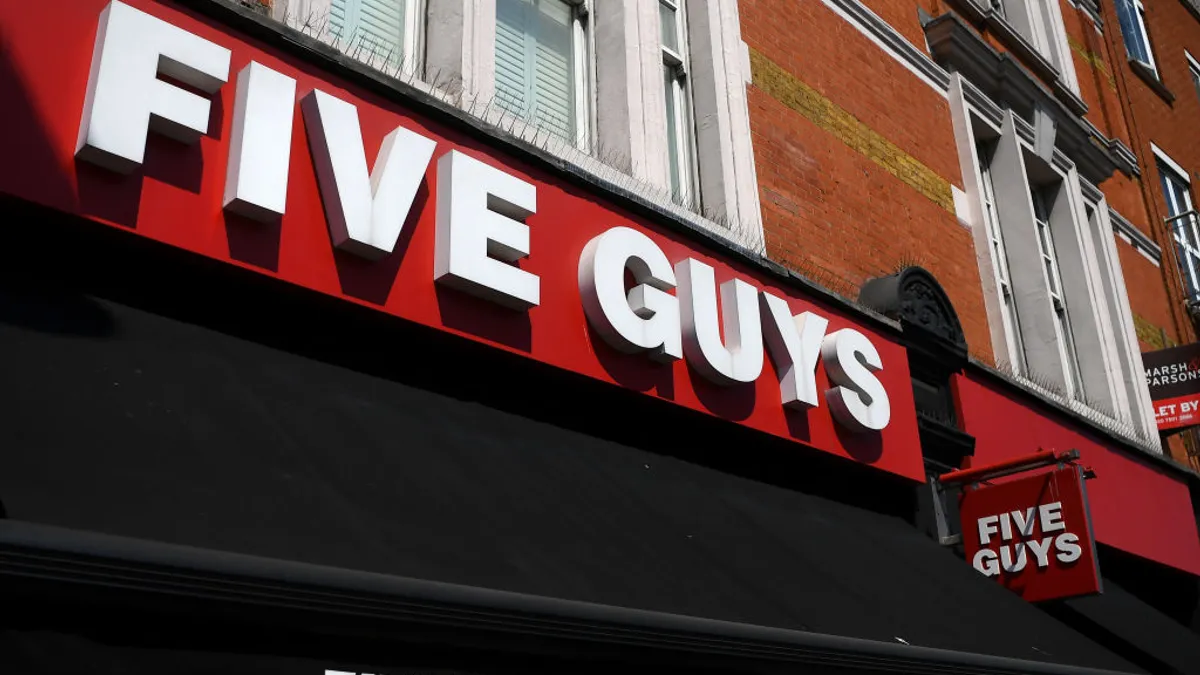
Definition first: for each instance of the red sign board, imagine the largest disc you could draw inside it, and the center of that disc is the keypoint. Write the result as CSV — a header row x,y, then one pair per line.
x,y
1033,534
178,193
1177,412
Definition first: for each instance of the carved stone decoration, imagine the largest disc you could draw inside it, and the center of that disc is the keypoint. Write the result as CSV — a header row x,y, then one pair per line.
x,y
936,348
914,297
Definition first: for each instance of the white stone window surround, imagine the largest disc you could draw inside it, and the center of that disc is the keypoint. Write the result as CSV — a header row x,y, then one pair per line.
x,y
627,99
1100,223
1092,281
1041,22
1035,27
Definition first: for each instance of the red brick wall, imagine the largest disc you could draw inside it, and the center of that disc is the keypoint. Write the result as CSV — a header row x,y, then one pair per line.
x,y
1172,127
831,209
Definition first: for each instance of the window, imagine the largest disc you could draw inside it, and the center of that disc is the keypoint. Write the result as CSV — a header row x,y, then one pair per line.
x,y
541,73
680,138
1057,310
1040,22
1132,15
1194,71
589,72
1184,225
991,219
380,32
1062,322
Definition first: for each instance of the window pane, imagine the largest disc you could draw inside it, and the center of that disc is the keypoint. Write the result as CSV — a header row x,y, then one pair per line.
x,y
554,69
512,62
1047,256
1186,231
371,30
535,68
673,130
1131,28
1063,329
668,26
1194,71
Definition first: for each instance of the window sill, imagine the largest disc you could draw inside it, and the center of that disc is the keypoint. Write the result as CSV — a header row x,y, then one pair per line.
x,y
1150,77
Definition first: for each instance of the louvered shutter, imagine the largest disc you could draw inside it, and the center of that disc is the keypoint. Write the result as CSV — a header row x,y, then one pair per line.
x,y
513,64
535,70
554,71
371,29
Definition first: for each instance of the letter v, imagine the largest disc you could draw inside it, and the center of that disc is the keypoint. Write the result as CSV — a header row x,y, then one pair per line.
x,y
365,214
1024,522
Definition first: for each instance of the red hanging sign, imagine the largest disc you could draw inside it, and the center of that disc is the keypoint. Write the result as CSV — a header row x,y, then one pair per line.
x,y
1033,534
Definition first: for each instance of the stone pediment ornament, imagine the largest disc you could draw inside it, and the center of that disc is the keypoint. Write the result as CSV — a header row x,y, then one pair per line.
x,y
914,297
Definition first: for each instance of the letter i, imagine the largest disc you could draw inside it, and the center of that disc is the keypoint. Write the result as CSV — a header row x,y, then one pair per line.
x,y
1005,527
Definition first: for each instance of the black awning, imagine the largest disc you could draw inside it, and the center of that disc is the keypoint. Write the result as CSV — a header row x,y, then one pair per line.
x,y
120,420
1139,631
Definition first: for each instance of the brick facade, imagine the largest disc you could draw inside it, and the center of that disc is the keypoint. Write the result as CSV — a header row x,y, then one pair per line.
x,y
858,167
855,157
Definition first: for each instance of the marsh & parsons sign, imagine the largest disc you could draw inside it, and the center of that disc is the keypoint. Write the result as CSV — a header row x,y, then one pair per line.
x,y
1173,376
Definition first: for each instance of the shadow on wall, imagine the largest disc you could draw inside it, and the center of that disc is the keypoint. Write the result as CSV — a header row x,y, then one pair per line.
x,y
33,172
29,168
59,311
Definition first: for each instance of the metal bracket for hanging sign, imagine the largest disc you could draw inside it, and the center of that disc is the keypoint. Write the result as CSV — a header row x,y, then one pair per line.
x,y
974,476
1031,462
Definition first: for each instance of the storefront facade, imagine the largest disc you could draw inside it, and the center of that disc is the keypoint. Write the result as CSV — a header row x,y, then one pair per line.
x,y
311,368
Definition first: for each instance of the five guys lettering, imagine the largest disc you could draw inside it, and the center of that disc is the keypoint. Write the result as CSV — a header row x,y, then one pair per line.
x,y
670,312
1017,530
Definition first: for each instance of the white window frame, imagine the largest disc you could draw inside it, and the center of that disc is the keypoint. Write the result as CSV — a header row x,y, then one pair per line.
x,y
1193,70
1135,396
1139,13
684,182
1011,321
1058,299
1187,251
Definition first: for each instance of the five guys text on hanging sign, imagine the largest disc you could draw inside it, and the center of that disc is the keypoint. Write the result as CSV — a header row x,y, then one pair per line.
x,y
1033,534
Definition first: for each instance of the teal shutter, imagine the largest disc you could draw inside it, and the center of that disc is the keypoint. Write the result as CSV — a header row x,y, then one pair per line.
x,y
373,29
535,69
513,65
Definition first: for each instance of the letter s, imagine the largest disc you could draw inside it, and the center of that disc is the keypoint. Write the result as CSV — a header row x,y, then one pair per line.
x,y
858,399
1068,548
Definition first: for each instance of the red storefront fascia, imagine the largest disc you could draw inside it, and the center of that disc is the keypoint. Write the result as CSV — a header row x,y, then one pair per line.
x,y
542,258
177,197
1137,505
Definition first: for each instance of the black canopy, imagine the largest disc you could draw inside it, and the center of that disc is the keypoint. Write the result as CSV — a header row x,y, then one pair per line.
x,y
162,399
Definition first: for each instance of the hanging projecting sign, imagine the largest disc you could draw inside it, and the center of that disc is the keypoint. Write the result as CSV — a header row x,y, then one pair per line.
x,y
1173,376
1033,534
168,126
